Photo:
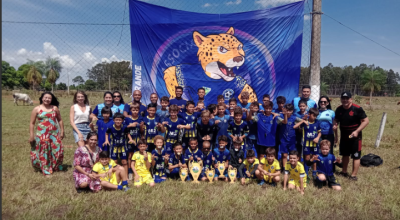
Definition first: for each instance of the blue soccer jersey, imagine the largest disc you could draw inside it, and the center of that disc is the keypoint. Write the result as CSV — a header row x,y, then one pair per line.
x,y
246,106
171,129
204,130
101,132
117,136
159,161
207,160
310,104
142,109
223,125
134,132
190,119
288,133
162,114
179,102
325,119
99,107
326,164
238,129
195,154
266,129
150,128
221,156
310,132
174,159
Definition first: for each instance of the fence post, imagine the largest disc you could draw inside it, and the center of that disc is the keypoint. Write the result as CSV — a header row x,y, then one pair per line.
x,y
380,132
315,50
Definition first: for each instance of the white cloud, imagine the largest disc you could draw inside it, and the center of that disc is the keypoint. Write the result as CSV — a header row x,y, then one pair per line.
x,y
206,5
274,3
111,59
237,2
89,56
50,50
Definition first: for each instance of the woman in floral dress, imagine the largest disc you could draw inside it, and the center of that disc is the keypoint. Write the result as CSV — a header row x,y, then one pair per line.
x,y
84,159
47,151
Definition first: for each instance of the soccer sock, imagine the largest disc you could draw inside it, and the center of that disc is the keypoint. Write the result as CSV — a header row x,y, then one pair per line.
x,y
306,168
120,187
319,183
124,183
130,170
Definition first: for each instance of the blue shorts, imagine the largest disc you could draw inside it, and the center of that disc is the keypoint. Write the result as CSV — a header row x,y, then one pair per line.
x,y
132,148
311,150
119,152
287,146
168,148
158,173
84,129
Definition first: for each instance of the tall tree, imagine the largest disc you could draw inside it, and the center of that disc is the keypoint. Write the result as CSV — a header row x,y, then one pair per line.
x,y
78,80
52,77
372,80
53,69
9,76
34,77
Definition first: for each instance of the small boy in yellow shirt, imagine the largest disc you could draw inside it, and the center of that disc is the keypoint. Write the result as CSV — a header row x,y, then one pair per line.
x,y
110,173
141,163
295,175
269,168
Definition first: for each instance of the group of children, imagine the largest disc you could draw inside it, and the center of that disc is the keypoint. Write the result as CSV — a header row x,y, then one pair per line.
x,y
250,137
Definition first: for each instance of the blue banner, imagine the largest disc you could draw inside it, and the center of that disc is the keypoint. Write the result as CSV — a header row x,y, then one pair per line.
x,y
226,54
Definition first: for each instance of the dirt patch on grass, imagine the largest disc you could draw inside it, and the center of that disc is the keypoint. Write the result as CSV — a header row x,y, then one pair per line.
x,y
59,211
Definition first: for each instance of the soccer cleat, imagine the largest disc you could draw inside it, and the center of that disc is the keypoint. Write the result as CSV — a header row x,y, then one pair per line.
x,y
261,183
126,188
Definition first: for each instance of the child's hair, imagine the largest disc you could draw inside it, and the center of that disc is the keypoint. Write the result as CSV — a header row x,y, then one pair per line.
x,y
189,103
84,95
233,100
178,87
200,102
313,111
152,105
119,115
165,99
223,138
211,107
237,142
192,139
289,107
141,141
255,104
221,105
173,108
245,95
266,96
303,101
106,110
135,106
281,100
237,111
158,137
104,154
270,151
268,104
205,113
250,153
201,88
293,152
219,97
178,143
325,143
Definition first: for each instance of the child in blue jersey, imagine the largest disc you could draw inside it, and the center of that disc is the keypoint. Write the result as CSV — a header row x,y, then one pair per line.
x,y
132,123
193,154
223,121
159,160
221,155
251,139
280,100
238,129
288,135
102,126
205,127
244,100
150,126
303,114
163,113
266,123
172,126
325,163
176,161
200,107
117,133
249,168
232,106
191,119
208,159
311,133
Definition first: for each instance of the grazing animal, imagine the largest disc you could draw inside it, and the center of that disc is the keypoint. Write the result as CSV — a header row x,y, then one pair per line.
x,y
398,103
22,97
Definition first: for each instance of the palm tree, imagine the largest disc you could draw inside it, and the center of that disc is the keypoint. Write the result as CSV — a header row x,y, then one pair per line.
x,y
372,80
53,69
34,77
52,77
324,88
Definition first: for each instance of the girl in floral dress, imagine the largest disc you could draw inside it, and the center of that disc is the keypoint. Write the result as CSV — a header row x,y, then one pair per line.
x,y
47,151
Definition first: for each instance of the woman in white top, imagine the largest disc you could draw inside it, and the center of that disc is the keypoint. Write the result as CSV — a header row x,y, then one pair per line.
x,y
79,117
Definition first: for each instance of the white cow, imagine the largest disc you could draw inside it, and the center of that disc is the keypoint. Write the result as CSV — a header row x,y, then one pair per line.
x,y
22,97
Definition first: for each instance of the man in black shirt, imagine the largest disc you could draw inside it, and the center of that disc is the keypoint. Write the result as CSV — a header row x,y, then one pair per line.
x,y
352,120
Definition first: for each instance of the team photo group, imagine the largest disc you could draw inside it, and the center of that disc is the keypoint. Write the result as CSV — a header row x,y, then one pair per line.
x,y
121,144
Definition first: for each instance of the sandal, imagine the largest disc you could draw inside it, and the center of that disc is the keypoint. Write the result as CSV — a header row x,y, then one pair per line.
x,y
354,178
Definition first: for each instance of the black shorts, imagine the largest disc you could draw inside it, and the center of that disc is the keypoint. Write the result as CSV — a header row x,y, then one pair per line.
x,y
350,146
332,181
261,149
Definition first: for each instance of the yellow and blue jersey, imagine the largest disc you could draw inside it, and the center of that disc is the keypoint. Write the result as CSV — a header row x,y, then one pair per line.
x,y
196,154
150,128
159,160
117,136
140,164
251,166
207,160
310,132
295,173
100,169
174,159
190,119
134,131
238,129
171,129
270,168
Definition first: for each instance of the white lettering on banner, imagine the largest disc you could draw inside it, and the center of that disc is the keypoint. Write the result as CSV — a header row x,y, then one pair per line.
x,y
138,77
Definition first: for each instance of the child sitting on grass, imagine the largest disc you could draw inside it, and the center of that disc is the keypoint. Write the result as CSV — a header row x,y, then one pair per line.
x,y
237,156
325,163
221,155
141,163
295,176
270,170
193,154
249,168
110,173
208,159
176,161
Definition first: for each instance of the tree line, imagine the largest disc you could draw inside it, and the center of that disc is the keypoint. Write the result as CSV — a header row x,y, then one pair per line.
x,y
362,79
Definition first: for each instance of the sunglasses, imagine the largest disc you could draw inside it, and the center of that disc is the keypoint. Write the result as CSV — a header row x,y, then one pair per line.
x,y
117,96
323,102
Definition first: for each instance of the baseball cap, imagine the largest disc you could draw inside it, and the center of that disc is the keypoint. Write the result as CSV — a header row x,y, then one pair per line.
x,y
345,95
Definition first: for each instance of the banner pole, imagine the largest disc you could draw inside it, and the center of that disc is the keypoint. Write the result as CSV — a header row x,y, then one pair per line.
x,y
315,50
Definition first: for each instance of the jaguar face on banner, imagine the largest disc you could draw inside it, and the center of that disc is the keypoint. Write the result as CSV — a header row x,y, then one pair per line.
x,y
226,54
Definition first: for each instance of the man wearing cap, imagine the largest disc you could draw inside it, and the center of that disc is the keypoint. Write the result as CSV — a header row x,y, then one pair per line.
x,y
352,120
306,92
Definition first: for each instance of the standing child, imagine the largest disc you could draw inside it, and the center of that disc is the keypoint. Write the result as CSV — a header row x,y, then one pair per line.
x,y
244,100
110,173
251,139
223,122
133,125
295,176
191,119
159,160
163,113
270,170
325,163
237,156
238,129
117,133
150,126
222,155
249,168
311,135
280,100
288,137
193,154
172,125
205,127
208,159
213,110
102,126
299,132
175,161
141,163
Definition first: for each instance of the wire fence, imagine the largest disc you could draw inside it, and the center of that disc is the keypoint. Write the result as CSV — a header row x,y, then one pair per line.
x,y
85,35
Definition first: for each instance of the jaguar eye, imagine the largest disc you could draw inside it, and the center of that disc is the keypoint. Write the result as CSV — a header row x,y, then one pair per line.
x,y
240,47
222,50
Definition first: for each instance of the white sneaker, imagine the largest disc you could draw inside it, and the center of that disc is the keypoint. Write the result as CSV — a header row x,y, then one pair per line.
x,y
130,176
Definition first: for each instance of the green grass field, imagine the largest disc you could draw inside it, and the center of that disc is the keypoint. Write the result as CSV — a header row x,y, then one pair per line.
x,y
28,195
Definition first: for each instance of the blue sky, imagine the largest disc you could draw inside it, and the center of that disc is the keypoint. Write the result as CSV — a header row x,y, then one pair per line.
x,y
79,47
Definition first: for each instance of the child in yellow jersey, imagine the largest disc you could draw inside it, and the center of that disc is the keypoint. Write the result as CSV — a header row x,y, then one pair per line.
x,y
270,170
250,167
110,173
295,176
141,163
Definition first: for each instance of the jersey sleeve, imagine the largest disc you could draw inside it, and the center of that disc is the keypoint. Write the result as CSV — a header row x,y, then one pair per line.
x,y
187,155
361,113
97,167
96,111
149,157
263,161
133,157
230,128
127,108
287,168
277,166
302,172
171,159
246,130
112,163
228,156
